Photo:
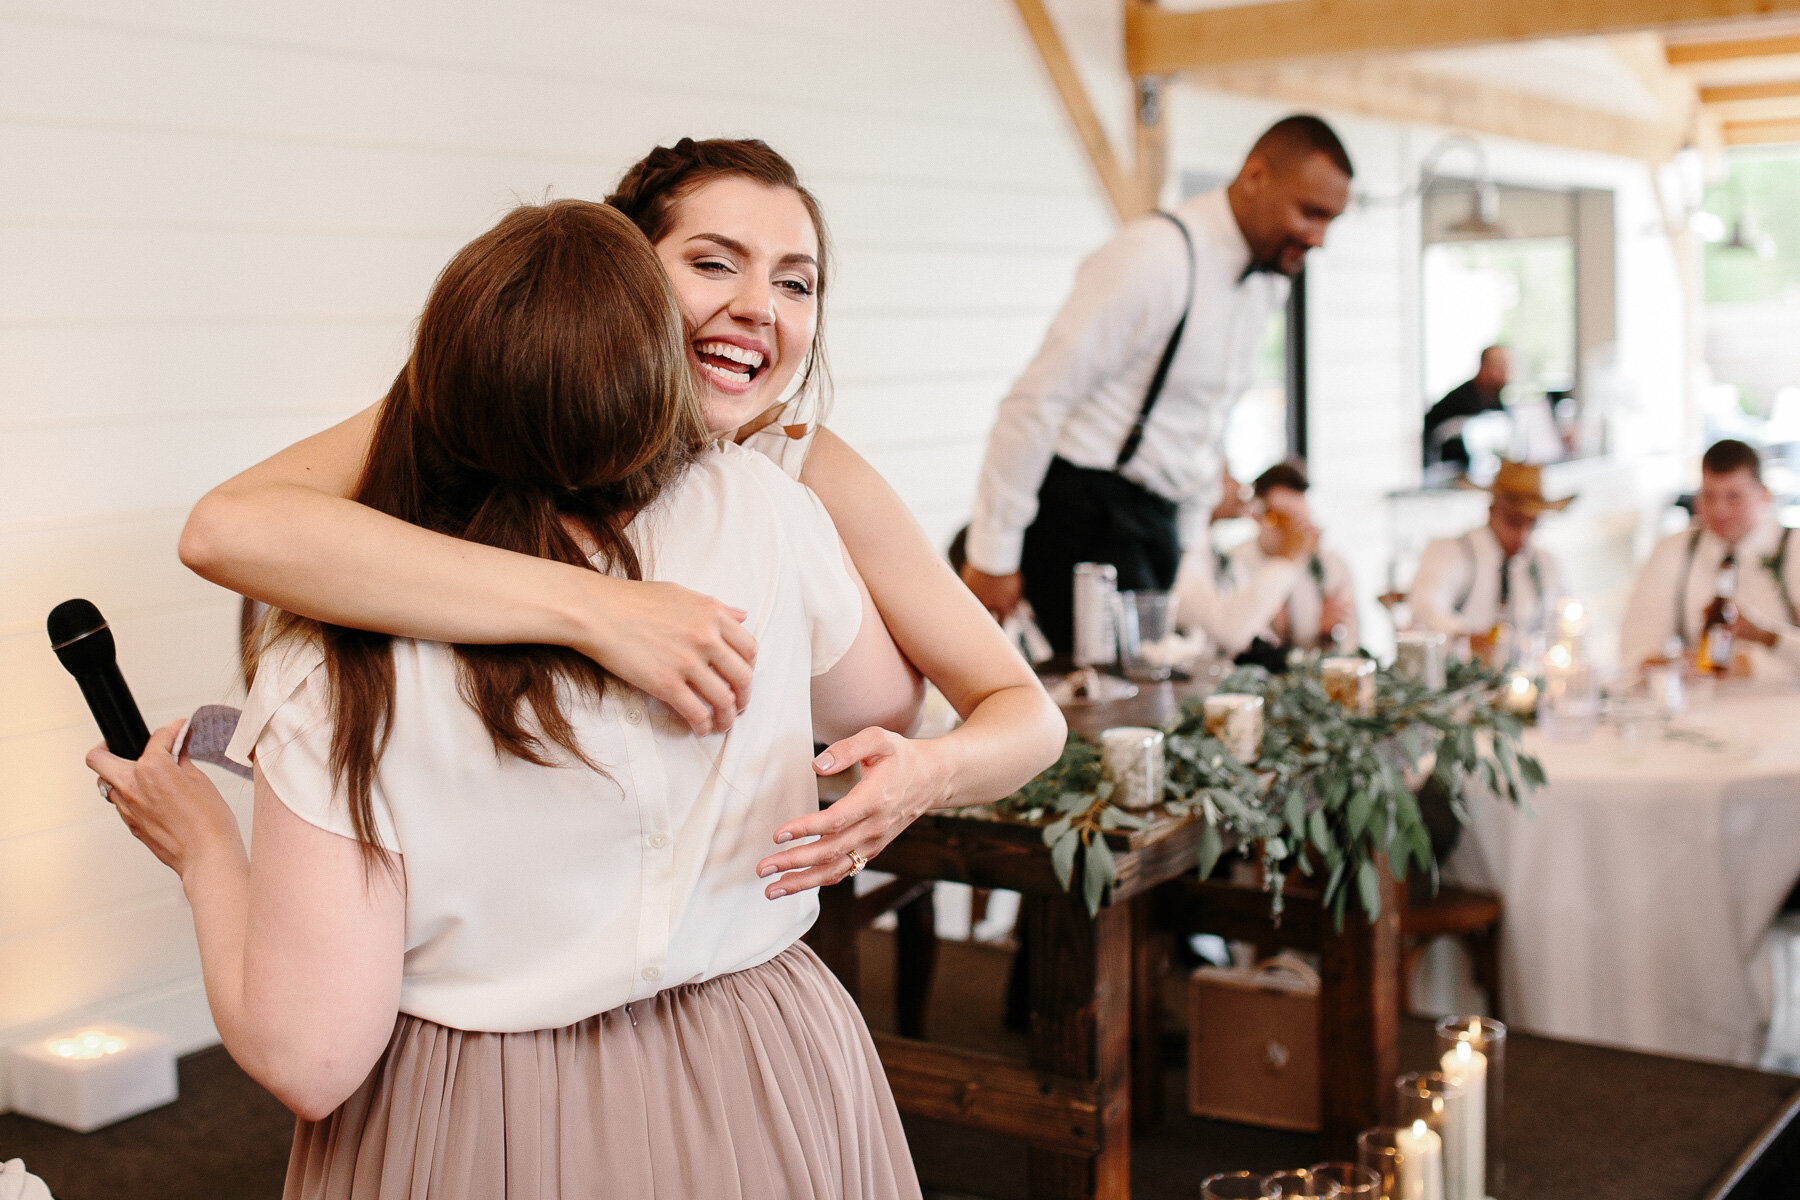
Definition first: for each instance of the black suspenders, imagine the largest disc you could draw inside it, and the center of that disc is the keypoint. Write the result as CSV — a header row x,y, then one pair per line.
x,y
1136,436
1777,567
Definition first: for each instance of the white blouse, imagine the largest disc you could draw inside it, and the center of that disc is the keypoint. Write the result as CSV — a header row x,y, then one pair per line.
x,y
538,896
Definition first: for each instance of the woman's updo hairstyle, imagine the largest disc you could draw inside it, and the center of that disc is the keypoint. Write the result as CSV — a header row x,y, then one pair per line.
x,y
650,191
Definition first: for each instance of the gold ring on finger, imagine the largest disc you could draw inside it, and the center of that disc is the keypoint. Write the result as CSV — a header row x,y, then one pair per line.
x,y
857,861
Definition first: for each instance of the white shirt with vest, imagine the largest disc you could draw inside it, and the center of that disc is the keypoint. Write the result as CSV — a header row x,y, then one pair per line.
x,y
1235,597
539,896
1457,587
1670,596
1081,394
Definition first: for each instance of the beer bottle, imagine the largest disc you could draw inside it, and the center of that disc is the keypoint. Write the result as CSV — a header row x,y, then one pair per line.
x,y
1714,656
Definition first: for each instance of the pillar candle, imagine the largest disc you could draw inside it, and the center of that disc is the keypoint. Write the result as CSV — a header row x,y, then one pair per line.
x,y
1467,1067
1421,1165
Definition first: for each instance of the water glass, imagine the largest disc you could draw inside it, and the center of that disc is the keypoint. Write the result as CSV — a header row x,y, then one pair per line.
x,y
1304,1185
1354,1182
1148,647
1232,1185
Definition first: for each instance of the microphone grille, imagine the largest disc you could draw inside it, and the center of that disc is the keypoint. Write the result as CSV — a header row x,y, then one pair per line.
x,y
71,625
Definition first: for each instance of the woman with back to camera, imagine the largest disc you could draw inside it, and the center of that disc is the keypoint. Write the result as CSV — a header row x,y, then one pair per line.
x,y
501,934
745,248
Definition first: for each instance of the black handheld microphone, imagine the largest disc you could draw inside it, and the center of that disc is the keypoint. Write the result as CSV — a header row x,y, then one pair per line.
x,y
79,635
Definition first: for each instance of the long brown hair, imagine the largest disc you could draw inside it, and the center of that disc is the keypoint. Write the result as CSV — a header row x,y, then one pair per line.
x,y
548,383
651,190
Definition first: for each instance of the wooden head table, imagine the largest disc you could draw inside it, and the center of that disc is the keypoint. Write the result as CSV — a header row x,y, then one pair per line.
x,y
1094,983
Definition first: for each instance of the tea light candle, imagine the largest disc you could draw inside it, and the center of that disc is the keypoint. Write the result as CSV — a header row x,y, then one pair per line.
x,y
1237,721
1467,1067
1350,682
1421,1164
1420,655
1131,756
1571,619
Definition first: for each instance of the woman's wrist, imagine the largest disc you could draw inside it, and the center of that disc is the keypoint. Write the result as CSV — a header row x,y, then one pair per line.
x,y
222,865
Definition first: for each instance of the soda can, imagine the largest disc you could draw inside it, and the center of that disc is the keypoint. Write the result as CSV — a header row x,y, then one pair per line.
x,y
1096,593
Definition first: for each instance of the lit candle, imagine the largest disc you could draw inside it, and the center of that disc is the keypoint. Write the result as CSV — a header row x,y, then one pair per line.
x,y
1571,619
1467,1067
1421,1164
1521,696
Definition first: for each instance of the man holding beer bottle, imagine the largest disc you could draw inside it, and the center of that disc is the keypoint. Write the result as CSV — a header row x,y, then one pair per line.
x,y
1723,589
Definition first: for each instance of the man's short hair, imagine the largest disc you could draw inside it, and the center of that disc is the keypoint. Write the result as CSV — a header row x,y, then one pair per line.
x,y
1724,457
1281,475
1290,140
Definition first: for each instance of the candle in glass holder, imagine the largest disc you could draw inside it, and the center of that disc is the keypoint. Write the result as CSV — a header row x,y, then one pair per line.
x,y
1419,1163
1473,1053
1131,757
1571,619
1237,721
1419,655
1521,696
1350,682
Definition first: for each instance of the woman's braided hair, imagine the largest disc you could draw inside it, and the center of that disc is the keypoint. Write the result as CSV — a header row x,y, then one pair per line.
x,y
650,190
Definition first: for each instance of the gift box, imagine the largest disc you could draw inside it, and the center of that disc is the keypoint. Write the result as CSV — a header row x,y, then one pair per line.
x,y
1253,1043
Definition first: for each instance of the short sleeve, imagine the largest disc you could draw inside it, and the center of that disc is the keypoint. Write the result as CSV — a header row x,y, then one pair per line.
x,y
285,733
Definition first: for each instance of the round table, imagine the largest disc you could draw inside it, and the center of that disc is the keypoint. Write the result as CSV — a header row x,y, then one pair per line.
x,y
1640,882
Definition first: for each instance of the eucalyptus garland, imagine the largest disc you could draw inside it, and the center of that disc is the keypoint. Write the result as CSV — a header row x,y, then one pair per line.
x,y
1329,792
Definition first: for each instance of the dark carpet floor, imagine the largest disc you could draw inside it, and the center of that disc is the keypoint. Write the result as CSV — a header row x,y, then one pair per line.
x,y
1587,1122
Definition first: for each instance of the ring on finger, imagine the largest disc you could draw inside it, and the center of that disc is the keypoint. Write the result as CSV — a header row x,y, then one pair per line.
x,y
857,861
105,790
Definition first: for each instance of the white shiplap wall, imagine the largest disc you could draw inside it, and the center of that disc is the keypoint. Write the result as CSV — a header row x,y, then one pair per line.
x,y
217,221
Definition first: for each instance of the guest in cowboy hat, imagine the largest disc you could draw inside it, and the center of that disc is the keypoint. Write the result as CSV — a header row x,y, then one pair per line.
x,y
1491,579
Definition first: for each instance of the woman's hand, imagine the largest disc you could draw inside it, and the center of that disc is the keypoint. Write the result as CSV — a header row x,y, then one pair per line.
x,y
171,807
688,650
901,778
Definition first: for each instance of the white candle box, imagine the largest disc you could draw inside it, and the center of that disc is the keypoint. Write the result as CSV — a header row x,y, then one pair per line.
x,y
93,1076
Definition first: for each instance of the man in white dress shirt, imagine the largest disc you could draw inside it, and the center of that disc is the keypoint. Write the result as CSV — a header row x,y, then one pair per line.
x,y
1107,447
1491,577
1280,586
1734,517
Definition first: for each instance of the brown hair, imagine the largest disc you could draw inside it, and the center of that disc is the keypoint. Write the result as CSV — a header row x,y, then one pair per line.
x,y
1288,475
652,188
1724,457
548,383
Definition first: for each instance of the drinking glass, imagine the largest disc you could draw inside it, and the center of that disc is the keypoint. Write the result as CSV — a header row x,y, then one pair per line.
x,y
1473,1050
1232,1185
1147,643
1354,1182
1300,1185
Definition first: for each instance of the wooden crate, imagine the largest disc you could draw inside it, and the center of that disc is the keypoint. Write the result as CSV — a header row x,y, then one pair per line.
x,y
1253,1044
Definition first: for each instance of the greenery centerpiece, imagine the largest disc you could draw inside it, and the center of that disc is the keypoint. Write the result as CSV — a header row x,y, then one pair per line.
x,y
1330,793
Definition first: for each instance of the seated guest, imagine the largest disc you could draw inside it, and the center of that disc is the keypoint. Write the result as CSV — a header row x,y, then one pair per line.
x,y
1443,441
1735,533
1491,579
1279,586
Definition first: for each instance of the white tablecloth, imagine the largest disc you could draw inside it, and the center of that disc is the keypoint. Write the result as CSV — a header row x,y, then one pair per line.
x,y
1641,880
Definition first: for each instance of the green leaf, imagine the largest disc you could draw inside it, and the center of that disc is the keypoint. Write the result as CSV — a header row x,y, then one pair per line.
x,y
1211,847
1054,830
1317,829
1356,817
1097,872
1062,857
1368,884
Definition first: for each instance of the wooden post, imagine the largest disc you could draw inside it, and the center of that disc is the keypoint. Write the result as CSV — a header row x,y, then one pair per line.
x,y
1359,1019
1081,971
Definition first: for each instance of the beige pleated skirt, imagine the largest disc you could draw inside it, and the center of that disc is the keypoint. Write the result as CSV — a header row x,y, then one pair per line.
x,y
761,1085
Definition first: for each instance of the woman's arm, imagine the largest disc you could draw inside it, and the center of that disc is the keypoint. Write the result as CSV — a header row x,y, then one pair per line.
x,y
872,684
300,947
284,533
1011,729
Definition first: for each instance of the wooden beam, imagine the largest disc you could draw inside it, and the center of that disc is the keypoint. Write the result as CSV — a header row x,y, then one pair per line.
x,y
1761,133
1687,54
1159,42
1787,89
1393,88
985,1091
1121,186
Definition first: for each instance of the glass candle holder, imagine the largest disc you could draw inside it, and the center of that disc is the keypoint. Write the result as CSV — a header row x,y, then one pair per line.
x,y
1350,682
1354,1182
1420,656
1131,757
1427,1112
1232,1185
1236,721
1409,1161
1472,1054
1287,1185
1148,645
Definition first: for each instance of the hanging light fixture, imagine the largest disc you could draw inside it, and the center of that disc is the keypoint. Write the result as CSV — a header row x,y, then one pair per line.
x,y
1483,221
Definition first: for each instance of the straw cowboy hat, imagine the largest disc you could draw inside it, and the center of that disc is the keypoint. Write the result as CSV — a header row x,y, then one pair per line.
x,y
1520,485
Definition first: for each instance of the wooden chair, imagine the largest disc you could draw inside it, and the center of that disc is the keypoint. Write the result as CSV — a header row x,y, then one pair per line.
x,y
1472,917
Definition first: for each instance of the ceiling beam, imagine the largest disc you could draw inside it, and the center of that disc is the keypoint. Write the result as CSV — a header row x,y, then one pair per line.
x,y
1761,133
1161,42
1687,54
1734,93
1391,87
